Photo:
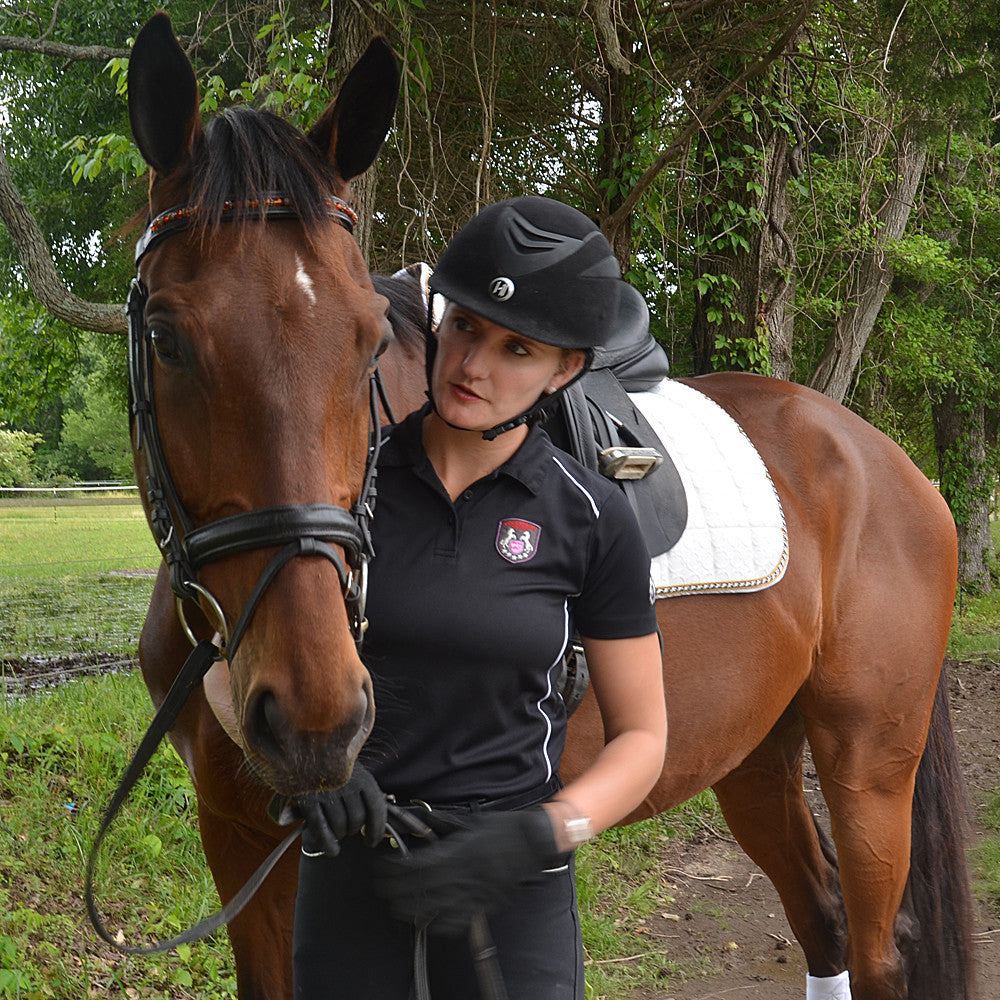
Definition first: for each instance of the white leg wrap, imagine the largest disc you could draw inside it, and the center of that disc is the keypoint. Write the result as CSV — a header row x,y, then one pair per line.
x,y
828,987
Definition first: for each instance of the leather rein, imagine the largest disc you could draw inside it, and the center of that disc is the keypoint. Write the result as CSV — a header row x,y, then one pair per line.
x,y
300,530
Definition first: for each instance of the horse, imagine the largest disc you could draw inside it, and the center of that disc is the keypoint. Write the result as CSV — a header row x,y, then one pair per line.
x,y
261,328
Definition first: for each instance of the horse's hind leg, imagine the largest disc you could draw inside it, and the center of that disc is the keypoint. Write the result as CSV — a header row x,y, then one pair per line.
x,y
866,753
768,814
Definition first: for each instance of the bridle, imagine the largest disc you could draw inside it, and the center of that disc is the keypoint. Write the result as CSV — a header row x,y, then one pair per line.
x,y
299,529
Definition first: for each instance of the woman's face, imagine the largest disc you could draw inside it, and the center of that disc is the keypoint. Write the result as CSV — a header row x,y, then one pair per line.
x,y
485,374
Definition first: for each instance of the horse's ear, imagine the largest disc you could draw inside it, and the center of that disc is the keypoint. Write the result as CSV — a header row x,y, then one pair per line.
x,y
162,96
355,125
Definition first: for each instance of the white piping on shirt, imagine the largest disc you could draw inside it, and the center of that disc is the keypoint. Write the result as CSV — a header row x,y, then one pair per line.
x,y
548,693
576,482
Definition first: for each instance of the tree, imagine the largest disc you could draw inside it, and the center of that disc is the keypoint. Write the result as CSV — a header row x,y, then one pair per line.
x,y
757,166
939,339
94,443
16,452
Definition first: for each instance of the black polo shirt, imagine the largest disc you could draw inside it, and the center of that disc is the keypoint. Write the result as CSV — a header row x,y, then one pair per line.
x,y
471,605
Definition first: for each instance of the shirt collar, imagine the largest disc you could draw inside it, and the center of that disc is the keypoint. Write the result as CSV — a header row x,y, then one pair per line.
x,y
528,465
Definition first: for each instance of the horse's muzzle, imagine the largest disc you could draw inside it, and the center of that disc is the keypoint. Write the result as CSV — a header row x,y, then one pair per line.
x,y
293,760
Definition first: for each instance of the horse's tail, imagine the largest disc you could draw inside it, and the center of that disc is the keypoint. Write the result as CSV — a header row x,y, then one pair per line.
x,y
939,885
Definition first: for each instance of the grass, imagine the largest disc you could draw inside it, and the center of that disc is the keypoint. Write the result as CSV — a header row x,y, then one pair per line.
x,y
975,635
74,578
64,588
619,886
986,856
61,754
75,536
975,632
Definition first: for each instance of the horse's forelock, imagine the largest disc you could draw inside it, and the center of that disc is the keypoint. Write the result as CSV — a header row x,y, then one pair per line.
x,y
248,154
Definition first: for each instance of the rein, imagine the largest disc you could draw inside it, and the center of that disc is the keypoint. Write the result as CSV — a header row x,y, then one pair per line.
x,y
300,530
190,676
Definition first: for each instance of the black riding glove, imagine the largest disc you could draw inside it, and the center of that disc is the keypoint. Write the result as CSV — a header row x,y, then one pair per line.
x,y
330,816
475,869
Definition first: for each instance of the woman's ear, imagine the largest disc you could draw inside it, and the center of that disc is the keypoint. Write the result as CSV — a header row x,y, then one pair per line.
x,y
569,368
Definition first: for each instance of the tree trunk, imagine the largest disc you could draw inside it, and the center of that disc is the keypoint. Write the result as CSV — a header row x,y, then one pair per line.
x,y
960,437
870,277
616,136
776,275
750,289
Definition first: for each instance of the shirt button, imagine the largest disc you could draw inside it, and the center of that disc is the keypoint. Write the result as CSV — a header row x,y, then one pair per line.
x,y
467,495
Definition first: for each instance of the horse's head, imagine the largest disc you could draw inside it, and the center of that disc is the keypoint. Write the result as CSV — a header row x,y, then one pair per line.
x,y
255,329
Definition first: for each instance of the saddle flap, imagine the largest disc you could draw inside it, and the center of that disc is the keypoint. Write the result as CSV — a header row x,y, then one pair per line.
x,y
599,423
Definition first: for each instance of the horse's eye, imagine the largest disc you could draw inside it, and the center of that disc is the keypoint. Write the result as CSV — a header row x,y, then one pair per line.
x,y
165,344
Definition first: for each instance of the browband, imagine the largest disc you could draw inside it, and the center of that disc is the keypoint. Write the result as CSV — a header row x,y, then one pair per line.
x,y
276,206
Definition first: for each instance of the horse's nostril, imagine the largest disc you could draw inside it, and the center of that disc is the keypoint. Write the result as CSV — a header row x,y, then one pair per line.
x,y
266,724
294,752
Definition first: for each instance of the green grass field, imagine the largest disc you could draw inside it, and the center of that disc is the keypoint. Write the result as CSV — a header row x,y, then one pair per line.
x,y
74,578
68,585
61,754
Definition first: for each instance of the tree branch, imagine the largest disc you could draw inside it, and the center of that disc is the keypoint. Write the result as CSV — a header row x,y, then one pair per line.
x,y
40,269
618,217
59,50
609,36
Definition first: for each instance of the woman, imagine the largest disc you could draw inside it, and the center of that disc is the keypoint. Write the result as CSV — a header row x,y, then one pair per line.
x,y
492,547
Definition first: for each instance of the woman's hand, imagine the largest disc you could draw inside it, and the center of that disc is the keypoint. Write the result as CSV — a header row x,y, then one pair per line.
x,y
472,870
330,816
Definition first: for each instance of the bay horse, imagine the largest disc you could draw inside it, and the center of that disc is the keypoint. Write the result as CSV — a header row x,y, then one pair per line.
x,y
260,330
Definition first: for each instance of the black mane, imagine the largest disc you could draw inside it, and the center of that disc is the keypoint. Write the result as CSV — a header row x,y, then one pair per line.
x,y
248,154
407,306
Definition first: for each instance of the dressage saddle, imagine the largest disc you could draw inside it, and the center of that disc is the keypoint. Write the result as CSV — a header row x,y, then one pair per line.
x,y
600,426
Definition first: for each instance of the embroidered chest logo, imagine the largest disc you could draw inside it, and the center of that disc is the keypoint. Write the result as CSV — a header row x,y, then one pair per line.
x,y
517,540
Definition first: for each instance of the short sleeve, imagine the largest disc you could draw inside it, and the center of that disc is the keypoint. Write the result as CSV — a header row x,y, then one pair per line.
x,y
617,598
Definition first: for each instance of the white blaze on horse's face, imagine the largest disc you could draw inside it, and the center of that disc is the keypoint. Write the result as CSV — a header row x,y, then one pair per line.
x,y
304,282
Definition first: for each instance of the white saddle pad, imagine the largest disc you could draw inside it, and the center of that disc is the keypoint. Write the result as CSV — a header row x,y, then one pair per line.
x,y
735,539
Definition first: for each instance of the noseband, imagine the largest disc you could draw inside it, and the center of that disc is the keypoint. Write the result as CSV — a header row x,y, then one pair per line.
x,y
299,529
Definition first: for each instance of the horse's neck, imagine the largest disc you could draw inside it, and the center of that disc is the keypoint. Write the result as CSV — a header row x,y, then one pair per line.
x,y
404,380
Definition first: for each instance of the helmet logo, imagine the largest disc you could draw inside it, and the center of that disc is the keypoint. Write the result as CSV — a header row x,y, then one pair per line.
x,y
501,289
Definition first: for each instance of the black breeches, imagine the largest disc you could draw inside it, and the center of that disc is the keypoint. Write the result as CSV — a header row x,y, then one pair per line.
x,y
348,947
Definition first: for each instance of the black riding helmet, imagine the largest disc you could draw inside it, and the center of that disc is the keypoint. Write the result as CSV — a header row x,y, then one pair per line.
x,y
544,270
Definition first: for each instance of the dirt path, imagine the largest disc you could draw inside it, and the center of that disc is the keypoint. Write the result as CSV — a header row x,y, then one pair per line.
x,y
726,917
